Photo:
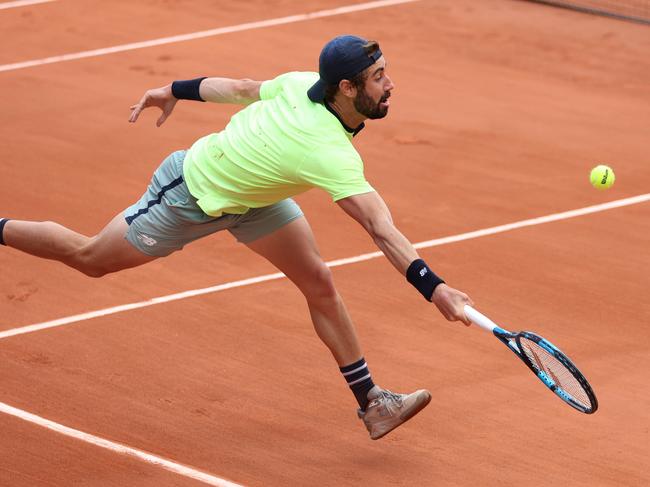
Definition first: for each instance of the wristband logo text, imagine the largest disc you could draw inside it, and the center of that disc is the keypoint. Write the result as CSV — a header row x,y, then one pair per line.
x,y
423,271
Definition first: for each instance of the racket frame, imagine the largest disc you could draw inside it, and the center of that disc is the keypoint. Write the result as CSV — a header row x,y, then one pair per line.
x,y
513,342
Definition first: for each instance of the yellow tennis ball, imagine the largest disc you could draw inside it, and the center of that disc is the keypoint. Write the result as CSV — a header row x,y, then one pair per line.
x,y
602,177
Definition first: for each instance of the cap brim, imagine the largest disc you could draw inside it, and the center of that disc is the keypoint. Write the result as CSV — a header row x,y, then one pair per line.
x,y
317,92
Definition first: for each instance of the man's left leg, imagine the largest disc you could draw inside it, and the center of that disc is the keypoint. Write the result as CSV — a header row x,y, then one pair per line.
x,y
95,256
292,249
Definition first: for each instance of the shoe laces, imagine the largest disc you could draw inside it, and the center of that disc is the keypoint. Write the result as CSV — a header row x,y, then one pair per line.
x,y
391,399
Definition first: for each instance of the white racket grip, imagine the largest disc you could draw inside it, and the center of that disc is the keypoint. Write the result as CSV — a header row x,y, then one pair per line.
x,y
479,319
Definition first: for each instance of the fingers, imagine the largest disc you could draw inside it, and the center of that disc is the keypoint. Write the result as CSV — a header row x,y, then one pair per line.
x,y
463,316
135,113
138,107
167,109
166,112
452,305
458,314
466,321
161,119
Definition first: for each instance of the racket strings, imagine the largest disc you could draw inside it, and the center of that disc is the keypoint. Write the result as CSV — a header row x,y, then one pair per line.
x,y
555,370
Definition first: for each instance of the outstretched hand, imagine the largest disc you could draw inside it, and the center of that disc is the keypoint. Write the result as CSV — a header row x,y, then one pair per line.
x,y
451,303
157,97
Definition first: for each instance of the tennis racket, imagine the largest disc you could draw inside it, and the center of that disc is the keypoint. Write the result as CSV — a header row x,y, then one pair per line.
x,y
547,362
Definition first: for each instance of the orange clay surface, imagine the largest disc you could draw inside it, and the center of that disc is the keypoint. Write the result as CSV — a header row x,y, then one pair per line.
x,y
500,110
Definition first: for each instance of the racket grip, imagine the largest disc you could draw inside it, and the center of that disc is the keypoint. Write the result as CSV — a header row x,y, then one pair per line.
x,y
479,319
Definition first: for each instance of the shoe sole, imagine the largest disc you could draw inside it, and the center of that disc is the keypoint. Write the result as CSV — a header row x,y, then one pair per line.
x,y
420,404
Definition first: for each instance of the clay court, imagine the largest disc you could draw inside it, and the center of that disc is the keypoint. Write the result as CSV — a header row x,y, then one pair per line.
x,y
501,108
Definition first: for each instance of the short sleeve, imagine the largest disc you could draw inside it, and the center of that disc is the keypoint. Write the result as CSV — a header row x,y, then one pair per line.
x,y
273,87
340,173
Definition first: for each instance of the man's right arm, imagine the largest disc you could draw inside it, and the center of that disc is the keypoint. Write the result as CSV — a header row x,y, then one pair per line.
x,y
372,213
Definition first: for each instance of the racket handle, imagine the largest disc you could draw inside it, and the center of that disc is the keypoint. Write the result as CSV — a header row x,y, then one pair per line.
x,y
479,319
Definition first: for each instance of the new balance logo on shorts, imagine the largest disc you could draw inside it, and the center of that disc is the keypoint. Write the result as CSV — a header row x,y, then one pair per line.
x,y
147,240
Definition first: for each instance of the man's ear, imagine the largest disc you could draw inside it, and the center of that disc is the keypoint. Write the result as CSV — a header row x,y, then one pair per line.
x,y
347,88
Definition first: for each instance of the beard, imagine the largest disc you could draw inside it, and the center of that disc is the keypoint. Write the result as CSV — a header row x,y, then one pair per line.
x,y
366,106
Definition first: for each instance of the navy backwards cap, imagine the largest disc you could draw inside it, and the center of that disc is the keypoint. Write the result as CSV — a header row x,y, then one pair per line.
x,y
342,58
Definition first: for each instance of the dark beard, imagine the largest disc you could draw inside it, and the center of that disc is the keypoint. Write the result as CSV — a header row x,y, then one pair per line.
x,y
367,107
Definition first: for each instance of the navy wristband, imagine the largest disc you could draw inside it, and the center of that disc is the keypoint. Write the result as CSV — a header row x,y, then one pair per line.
x,y
423,278
187,89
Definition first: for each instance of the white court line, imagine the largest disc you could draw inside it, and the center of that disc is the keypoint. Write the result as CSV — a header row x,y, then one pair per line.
x,y
205,33
21,3
117,447
334,263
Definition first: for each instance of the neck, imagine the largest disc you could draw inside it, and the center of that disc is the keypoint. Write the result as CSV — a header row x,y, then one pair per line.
x,y
346,112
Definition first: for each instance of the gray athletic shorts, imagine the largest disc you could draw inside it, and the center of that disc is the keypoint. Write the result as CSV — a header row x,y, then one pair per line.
x,y
167,217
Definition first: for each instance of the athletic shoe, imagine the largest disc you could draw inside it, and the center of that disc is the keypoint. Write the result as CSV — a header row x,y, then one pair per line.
x,y
387,410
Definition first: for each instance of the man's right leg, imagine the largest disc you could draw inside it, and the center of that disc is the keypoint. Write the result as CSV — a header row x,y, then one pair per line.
x,y
95,256
292,249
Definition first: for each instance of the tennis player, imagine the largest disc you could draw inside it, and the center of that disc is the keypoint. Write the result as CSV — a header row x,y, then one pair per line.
x,y
295,134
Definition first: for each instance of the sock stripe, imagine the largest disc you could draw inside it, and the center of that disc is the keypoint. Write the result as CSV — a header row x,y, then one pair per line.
x,y
359,363
364,366
359,380
351,378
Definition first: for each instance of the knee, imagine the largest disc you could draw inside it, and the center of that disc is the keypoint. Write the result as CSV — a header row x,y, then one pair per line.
x,y
320,285
86,261
93,271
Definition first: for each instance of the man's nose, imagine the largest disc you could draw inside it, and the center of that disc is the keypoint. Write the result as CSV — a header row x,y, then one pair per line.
x,y
390,84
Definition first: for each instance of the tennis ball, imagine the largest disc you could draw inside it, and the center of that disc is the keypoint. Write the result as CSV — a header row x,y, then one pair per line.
x,y
602,177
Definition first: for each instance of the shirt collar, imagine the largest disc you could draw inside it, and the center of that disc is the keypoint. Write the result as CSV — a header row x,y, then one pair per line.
x,y
350,130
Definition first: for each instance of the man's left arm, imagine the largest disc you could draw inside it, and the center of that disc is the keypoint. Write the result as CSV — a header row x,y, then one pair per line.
x,y
216,90
370,210
227,90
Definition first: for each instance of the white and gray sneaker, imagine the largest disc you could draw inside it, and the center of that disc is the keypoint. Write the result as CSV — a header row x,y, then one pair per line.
x,y
387,410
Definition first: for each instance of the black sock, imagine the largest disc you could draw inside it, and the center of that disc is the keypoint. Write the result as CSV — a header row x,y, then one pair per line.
x,y
358,378
2,227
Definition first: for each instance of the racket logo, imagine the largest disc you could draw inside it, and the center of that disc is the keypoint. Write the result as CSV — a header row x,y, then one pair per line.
x,y
542,367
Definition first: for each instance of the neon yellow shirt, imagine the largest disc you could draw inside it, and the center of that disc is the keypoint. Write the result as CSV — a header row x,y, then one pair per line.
x,y
273,149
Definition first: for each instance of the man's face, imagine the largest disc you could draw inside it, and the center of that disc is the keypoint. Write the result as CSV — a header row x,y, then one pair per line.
x,y
372,100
